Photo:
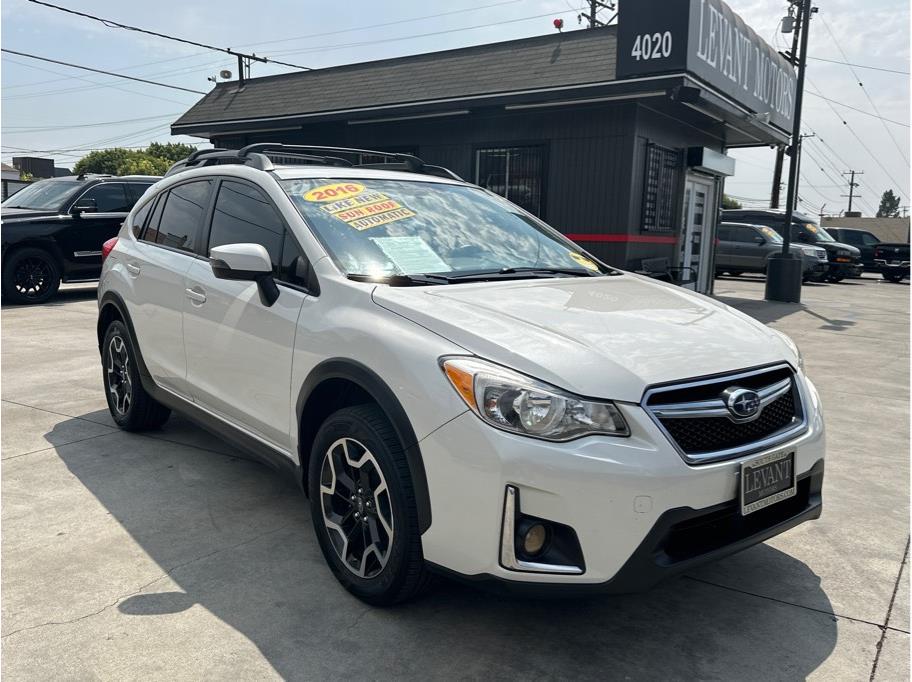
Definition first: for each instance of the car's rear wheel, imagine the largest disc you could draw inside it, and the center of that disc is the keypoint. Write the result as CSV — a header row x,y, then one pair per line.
x,y
30,275
363,507
131,407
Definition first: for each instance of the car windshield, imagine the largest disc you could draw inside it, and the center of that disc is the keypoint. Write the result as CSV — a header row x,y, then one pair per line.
x,y
821,234
48,195
771,235
383,228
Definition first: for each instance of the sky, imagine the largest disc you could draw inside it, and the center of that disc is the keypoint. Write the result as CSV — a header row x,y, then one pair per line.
x,y
62,112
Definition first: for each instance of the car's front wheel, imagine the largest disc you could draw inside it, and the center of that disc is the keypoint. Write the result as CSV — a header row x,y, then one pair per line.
x,y
892,278
363,507
131,407
30,276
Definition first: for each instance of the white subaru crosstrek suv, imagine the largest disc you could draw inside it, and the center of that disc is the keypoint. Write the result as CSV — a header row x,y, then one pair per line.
x,y
457,387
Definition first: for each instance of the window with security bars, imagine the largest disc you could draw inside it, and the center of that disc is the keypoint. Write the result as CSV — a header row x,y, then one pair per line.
x,y
663,168
515,173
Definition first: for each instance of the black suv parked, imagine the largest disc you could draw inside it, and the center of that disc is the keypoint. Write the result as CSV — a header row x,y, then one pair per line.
x,y
54,229
845,260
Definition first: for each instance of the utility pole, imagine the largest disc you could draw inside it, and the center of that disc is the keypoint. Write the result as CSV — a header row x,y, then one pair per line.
x,y
780,150
783,277
821,214
852,186
798,171
592,17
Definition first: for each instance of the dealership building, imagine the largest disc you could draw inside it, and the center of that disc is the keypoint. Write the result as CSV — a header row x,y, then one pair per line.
x,y
616,136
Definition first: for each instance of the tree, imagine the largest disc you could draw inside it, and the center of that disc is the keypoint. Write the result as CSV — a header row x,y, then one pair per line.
x,y
728,202
889,205
155,159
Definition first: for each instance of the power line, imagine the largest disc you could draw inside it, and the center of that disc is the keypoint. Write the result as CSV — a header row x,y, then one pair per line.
x,y
859,66
863,89
383,25
15,130
326,48
106,73
114,24
860,111
93,83
865,147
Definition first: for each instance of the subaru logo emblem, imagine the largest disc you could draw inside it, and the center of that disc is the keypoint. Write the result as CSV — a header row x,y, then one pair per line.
x,y
743,403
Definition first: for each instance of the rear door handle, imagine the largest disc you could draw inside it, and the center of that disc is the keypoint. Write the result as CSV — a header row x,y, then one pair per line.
x,y
196,295
133,269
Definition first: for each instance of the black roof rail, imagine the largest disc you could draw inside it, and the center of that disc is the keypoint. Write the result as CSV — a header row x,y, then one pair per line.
x,y
255,155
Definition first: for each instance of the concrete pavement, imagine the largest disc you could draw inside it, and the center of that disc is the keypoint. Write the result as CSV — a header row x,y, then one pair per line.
x,y
170,555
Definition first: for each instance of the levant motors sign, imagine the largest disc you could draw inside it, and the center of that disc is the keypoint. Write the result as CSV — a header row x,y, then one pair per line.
x,y
706,39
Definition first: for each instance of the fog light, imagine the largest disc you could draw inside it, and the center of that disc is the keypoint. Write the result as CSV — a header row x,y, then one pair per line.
x,y
534,539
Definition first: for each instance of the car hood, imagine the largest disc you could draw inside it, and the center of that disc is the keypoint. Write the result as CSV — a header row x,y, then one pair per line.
x,y
605,337
27,213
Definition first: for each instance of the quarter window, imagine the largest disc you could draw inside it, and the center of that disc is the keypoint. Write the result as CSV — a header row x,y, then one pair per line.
x,y
139,219
180,224
110,197
243,215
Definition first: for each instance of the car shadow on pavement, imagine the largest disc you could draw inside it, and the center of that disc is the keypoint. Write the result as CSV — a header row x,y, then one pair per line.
x,y
235,538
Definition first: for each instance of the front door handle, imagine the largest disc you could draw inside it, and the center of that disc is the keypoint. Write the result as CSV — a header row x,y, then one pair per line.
x,y
133,269
196,295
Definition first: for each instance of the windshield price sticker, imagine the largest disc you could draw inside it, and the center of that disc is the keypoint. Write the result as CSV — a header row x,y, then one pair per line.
x,y
351,202
335,191
381,218
587,263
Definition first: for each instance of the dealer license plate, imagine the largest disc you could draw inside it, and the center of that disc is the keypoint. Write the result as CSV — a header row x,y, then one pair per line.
x,y
767,480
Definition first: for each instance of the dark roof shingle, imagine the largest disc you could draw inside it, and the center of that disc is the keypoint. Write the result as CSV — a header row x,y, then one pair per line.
x,y
573,58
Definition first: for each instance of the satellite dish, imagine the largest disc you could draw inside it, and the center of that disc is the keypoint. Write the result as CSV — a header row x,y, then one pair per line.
x,y
225,73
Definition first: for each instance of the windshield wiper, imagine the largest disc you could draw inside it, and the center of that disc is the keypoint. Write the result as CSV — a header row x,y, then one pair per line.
x,y
401,280
532,273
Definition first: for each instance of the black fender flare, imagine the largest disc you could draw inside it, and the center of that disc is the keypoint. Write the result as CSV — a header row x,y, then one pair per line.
x,y
112,298
385,397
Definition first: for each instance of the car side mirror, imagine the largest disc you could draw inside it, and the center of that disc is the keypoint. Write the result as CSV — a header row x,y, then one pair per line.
x,y
246,262
84,206
760,240
802,237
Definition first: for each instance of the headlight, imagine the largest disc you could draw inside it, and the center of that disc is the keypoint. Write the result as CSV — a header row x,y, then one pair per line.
x,y
809,251
793,346
514,402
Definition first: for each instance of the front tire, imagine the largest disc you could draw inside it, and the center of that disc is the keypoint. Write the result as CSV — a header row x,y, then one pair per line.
x,y
30,275
363,507
893,278
131,407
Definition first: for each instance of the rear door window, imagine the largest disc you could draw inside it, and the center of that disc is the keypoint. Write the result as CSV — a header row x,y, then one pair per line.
x,y
180,225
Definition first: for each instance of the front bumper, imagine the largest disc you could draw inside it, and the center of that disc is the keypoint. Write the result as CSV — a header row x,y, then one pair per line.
x,y
640,513
846,269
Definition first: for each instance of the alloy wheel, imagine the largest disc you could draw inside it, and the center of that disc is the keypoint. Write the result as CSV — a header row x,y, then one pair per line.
x,y
357,508
32,277
118,371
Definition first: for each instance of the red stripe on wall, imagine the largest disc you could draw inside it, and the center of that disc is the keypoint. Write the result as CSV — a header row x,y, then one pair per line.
x,y
625,238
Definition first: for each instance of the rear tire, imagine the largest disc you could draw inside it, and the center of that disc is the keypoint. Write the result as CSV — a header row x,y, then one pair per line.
x,y
131,407
363,507
30,275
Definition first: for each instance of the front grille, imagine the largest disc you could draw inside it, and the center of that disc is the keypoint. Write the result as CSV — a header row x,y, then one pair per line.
x,y
720,433
695,418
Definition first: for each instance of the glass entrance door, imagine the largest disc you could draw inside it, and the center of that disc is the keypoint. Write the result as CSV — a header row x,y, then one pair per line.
x,y
696,240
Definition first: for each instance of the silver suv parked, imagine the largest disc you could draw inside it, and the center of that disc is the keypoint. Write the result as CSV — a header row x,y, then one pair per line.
x,y
747,248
